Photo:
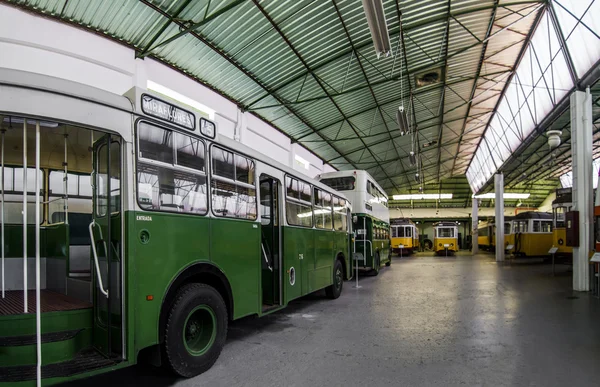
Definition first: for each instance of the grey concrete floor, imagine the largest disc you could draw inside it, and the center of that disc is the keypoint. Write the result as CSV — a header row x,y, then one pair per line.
x,y
425,321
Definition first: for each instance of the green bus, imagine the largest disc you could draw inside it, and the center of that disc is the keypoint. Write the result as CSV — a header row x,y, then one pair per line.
x,y
132,230
370,218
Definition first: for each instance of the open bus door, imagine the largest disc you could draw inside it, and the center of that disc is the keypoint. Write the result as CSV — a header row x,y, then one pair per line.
x,y
105,233
270,242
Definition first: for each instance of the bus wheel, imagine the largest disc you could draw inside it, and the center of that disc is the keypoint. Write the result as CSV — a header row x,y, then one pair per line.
x,y
389,262
376,264
196,330
334,290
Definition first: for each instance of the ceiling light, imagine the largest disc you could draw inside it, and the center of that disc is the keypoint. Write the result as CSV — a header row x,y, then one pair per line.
x,y
402,120
417,177
430,143
301,161
413,158
423,196
377,25
507,195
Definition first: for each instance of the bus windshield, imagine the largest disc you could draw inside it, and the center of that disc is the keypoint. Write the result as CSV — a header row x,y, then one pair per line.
x,y
345,183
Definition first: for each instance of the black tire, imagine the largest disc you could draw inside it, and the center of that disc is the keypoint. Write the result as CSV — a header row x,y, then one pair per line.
x,y
376,265
199,313
335,289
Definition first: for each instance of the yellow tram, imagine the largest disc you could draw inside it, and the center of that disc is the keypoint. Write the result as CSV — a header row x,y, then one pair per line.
x,y
405,236
531,234
486,233
445,237
561,205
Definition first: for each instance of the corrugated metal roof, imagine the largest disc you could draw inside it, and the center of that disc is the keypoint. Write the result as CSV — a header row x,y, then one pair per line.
x,y
310,69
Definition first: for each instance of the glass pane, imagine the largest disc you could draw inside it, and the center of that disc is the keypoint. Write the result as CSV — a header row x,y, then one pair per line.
x,y
304,191
244,169
223,163
160,188
298,214
85,186
340,220
233,201
155,143
190,152
340,183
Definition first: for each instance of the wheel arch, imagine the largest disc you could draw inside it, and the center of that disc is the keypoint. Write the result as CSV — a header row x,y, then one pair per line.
x,y
342,258
201,272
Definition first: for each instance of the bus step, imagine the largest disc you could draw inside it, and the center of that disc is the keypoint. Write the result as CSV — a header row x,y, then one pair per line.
x,y
85,361
18,341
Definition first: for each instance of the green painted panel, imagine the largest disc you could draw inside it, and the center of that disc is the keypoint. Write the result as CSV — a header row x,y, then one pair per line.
x,y
175,241
235,248
325,255
54,240
296,242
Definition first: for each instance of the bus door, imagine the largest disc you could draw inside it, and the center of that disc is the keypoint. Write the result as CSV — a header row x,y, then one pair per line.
x,y
105,234
270,241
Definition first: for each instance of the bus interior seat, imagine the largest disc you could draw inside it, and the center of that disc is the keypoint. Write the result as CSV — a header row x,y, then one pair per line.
x,y
79,242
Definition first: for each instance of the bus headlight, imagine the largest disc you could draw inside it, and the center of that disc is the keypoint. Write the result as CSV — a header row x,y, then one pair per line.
x,y
560,241
440,245
451,244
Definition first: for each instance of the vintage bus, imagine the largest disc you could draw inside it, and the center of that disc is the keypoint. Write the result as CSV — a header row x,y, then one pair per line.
x,y
404,236
531,234
445,237
131,229
370,217
560,206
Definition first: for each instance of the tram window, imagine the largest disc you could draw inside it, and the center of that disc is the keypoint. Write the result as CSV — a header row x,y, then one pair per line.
x,y
445,232
546,226
340,219
322,209
298,211
232,185
408,232
506,228
165,183
536,226
345,183
520,226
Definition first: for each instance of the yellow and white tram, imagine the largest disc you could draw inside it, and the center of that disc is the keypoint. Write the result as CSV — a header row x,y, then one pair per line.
x,y
404,236
531,234
445,237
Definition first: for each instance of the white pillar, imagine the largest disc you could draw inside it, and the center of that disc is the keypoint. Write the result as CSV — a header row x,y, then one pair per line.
x,y
475,223
581,149
499,221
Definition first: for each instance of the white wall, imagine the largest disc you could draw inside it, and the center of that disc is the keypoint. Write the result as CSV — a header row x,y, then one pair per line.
x,y
546,205
445,213
39,45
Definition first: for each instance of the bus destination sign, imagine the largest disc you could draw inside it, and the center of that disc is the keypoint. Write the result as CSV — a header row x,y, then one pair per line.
x,y
165,111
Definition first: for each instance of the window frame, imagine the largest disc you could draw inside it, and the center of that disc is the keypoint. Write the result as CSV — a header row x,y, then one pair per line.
x,y
231,181
344,215
316,206
174,167
298,201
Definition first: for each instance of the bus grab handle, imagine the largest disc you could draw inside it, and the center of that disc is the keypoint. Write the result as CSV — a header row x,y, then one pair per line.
x,y
101,285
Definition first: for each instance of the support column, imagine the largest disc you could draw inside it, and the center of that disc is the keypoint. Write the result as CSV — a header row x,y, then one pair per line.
x,y
474,224
499,220
581,149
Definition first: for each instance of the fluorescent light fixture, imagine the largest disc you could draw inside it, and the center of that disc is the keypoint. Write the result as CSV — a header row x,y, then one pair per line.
x,y
423,196
181,98
302,162
402,121
507,195
379,31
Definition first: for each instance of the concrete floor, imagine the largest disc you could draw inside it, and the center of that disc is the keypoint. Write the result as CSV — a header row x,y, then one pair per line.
x,y
424,321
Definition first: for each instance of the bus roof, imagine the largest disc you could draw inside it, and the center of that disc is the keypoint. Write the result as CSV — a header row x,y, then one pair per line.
x,y
445,224
401,221
533,215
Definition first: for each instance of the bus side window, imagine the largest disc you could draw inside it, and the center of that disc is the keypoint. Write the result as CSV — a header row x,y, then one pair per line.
x,y
166,182
340,219
232,185
298,210
322,209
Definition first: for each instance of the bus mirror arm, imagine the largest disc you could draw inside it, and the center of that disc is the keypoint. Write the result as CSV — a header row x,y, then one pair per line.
x,y
97,265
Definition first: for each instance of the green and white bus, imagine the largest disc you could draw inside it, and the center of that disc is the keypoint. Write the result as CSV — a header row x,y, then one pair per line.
x,y
370,217
144,233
